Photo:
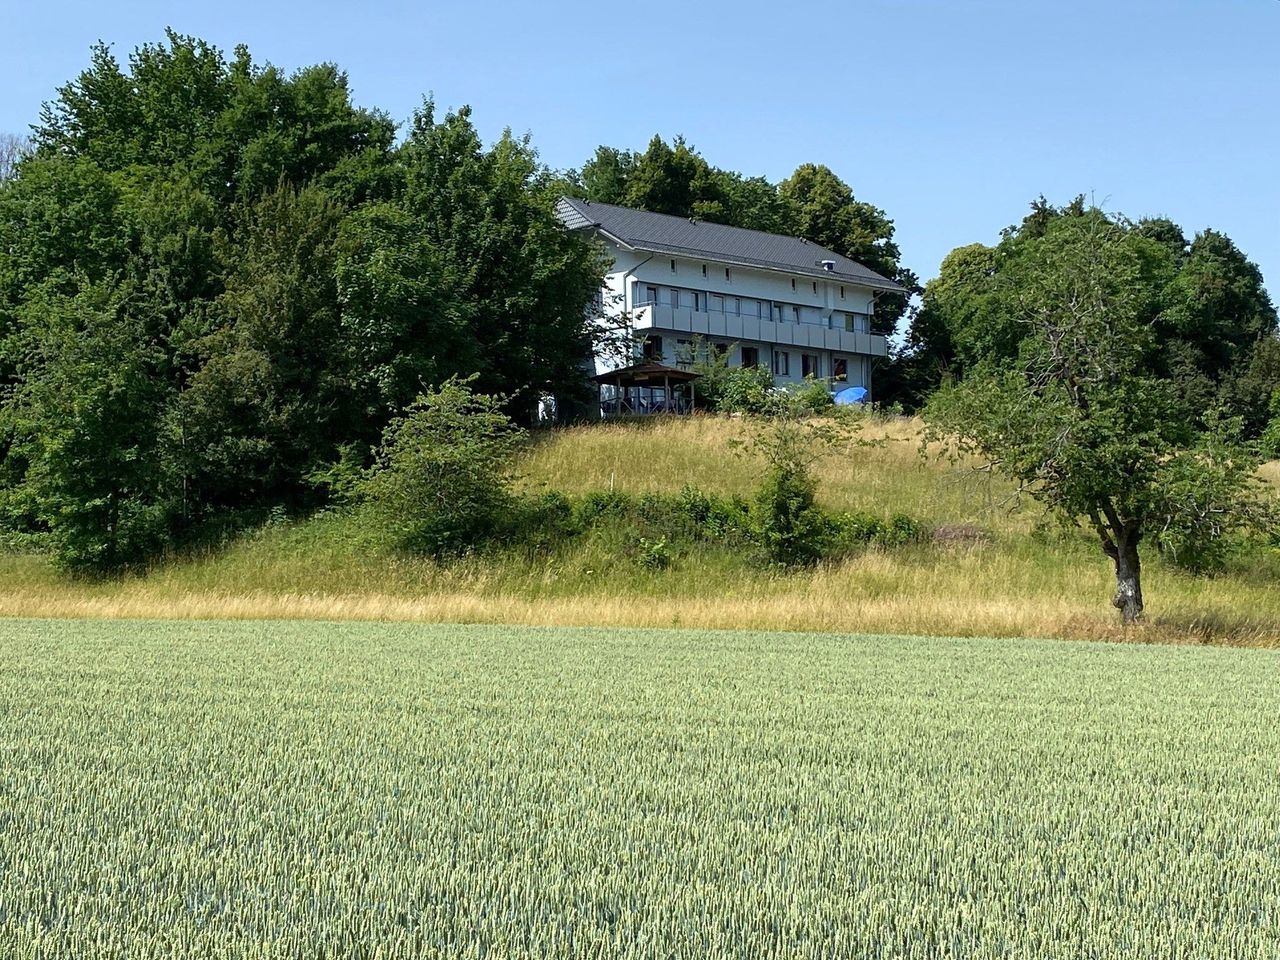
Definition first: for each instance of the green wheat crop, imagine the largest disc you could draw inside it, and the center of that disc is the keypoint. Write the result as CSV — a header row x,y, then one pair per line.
x,y
310,790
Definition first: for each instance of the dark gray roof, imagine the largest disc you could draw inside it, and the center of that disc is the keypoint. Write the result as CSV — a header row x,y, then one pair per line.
x,y
661,233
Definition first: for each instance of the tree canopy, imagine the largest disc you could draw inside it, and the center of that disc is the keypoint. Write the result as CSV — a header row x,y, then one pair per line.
x,y
218,280
1213,326
1082,419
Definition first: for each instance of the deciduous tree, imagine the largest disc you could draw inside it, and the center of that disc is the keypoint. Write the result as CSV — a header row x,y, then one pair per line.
x,y
1082,424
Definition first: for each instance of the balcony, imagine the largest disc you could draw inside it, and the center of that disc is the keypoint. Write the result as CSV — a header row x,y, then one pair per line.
x,y
729,326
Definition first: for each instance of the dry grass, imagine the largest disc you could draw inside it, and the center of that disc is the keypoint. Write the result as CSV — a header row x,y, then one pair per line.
x,y
667,453
1012,584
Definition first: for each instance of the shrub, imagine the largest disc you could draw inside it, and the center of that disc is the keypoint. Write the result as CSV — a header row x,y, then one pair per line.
x,y
792,529
900,531
441,483
746,390
599,504
851,531
811,396
542,522
855,529
1269,444
654,554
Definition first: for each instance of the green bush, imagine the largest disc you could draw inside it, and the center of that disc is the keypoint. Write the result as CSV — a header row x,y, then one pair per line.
x,y
598,505
713,517
792,530
850,530
900,531
441,484
1269,444
746,390
654,554
811,396
854,531
543,522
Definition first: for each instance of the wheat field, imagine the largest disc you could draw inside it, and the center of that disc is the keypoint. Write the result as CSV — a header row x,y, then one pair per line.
x,y
358,791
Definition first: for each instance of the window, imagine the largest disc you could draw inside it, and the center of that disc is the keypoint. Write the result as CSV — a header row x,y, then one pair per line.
x,y
726,274
815,286
652,349
778,315
675,297
684,353
809,366
840,369
793,283
736,304
841,289
795,314
704,269
781,363
750,356
717,303
673,270
650,294
693,295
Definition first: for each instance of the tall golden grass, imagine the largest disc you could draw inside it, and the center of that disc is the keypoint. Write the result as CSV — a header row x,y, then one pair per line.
x,y
1019,580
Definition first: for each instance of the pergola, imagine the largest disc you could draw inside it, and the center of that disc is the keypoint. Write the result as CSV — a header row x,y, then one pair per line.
x,y
646,388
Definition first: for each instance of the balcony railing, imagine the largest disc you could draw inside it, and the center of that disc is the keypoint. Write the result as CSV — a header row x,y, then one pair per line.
x,y
823,335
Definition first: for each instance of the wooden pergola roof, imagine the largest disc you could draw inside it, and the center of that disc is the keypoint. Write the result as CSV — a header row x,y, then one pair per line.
x,y
647,375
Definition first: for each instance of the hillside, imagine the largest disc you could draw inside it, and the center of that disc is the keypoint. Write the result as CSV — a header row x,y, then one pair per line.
x,y
993,568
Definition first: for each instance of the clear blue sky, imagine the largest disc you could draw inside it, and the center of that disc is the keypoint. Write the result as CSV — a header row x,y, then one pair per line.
x,y
949,114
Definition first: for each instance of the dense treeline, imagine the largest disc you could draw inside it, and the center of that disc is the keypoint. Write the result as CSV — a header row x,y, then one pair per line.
x,y
1211,322
219,283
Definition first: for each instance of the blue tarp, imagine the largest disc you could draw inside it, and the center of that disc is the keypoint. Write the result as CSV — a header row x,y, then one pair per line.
x,y
851,395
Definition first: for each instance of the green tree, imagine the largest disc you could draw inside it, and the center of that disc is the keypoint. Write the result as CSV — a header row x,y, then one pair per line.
x,y
516,281
85,417
1082,424
442,481
790,441
270,401
1211,318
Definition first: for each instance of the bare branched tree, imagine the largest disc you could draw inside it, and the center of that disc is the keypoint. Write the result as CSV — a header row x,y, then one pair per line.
x,y
12,149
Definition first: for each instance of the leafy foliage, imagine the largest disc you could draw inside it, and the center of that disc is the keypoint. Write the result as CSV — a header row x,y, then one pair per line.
x,y
441,483
1081,423
1212,324
265,281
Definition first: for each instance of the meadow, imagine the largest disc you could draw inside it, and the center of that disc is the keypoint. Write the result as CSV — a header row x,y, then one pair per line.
x,y
305,789
1005,572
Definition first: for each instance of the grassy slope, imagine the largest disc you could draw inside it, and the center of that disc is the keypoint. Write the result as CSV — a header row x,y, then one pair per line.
x,y
354,790
1015,584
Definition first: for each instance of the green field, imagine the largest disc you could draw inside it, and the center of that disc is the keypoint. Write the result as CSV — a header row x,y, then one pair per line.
x,y
256,789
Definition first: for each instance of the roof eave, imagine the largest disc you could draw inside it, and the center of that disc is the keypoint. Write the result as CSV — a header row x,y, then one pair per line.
x,y
876,283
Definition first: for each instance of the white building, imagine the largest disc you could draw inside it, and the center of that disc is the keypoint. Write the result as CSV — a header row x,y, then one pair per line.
x,y
779,302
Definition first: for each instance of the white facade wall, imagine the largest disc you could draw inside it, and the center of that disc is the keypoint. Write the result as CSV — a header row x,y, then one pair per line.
x,y
749,296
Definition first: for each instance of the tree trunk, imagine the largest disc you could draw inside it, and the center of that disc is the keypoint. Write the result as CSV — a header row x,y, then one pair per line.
x,y
1128,598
